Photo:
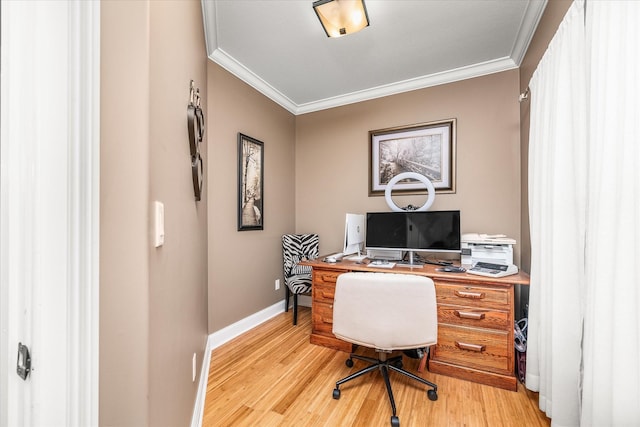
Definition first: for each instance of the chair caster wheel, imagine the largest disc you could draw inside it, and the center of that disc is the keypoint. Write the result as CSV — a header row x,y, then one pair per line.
x,y
349,363
432,394
395,421
336,393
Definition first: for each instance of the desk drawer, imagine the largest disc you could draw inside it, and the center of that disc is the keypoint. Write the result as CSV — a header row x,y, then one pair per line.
x,y
322,318
475,296
475,348
323,292
473,317
326,276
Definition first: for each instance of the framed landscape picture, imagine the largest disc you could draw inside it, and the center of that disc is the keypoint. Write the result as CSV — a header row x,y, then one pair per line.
x,y
250,183
427,148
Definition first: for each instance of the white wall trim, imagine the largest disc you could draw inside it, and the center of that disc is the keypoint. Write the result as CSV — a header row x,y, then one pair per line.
x,y
49,226
229,63
84,213
234,330
527,29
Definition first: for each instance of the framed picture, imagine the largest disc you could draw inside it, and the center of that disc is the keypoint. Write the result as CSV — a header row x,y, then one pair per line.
x,y
250,183
427,148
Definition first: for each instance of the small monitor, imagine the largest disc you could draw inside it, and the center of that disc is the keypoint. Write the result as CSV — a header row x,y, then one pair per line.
x,y
354,229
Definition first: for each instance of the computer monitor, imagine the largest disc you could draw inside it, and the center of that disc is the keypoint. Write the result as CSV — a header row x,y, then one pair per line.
x,y
354,228
411,231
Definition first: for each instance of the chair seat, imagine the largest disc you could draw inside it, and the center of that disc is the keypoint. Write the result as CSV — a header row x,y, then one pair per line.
x,y
299,284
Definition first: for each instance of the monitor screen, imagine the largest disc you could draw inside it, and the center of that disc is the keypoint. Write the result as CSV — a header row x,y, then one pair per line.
x,y
434,231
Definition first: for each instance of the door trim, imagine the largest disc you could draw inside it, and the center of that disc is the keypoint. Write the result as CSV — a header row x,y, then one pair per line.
x,y
49,211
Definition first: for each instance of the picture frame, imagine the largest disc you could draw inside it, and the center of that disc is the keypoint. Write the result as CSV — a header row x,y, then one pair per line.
x,y
426,148
250,183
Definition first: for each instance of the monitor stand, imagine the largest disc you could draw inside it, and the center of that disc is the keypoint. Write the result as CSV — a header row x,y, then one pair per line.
x,y
412,262
356,258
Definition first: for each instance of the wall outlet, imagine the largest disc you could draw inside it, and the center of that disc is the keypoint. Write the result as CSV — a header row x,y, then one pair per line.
x,y
193,368
277,284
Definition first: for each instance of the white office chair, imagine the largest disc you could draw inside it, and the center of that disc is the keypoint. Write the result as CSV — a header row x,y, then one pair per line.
x,y
385,311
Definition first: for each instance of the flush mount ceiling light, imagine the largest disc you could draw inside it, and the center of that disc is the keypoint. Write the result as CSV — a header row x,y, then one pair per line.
x,y
341,17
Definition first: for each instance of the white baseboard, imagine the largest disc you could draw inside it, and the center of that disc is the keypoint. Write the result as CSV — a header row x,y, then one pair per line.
x,y
224,335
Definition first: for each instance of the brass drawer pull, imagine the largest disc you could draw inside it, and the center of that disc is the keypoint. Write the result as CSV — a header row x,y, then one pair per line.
x,y
472,295
471,347
469,315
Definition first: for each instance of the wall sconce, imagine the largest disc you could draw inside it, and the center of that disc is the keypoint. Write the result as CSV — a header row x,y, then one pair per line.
x,y
341,17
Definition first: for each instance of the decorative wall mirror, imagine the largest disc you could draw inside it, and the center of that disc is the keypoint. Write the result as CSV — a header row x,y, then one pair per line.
x,y
195,127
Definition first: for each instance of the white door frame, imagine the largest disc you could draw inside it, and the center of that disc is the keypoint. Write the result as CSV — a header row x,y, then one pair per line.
x,y
49,211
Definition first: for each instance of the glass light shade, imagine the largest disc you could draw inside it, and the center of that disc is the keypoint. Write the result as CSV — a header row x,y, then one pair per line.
x,y
341,17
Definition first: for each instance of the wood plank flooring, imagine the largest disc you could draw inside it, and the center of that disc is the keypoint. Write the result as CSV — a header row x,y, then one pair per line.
x,y
273,376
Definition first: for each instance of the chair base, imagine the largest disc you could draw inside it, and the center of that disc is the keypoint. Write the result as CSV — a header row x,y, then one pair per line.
x,y
384,365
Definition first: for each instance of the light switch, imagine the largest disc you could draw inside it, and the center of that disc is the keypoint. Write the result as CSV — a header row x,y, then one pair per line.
x,y
158,215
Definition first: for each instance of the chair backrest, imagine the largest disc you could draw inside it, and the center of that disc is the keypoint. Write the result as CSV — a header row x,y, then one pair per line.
x,y
296,247
386,311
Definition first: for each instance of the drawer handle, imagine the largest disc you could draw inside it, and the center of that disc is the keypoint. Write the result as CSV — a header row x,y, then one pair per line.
x,y
471,347
472,295
469,315
326,320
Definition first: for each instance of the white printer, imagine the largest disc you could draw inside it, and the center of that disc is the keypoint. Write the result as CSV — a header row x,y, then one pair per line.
x,y
489,248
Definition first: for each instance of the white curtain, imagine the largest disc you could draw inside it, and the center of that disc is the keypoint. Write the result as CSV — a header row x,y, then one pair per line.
x,y
557,187
583,351
611,395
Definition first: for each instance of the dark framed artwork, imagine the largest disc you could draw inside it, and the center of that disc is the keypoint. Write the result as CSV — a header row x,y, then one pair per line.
x,y
250,183
427,148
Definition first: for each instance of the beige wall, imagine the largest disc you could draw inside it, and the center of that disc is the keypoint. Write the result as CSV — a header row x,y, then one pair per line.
x,y
124,206
243,265
153,313
177,270
332,152
553,14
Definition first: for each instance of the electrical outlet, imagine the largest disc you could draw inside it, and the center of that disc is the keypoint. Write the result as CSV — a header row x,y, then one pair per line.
x,y
193,368
277,284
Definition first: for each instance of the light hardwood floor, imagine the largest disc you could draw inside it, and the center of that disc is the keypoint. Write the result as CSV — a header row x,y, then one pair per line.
x,y
273,376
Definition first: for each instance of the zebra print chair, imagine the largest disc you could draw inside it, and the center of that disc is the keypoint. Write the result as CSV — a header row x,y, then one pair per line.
x,y
295,248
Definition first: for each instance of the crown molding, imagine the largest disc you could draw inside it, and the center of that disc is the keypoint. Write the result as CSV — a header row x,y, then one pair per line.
x,y
528,26
435,79
243,73
227,62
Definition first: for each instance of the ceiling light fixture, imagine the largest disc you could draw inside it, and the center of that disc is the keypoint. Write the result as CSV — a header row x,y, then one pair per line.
x,y
341,17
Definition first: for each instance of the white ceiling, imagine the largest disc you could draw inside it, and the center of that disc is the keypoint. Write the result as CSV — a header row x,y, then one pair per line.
x,y
280,48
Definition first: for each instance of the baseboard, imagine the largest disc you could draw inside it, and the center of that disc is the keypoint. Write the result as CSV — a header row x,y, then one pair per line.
x,y
198,409
224,335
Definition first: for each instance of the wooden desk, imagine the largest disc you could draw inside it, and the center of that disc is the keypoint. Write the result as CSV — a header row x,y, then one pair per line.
x,y
475,320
